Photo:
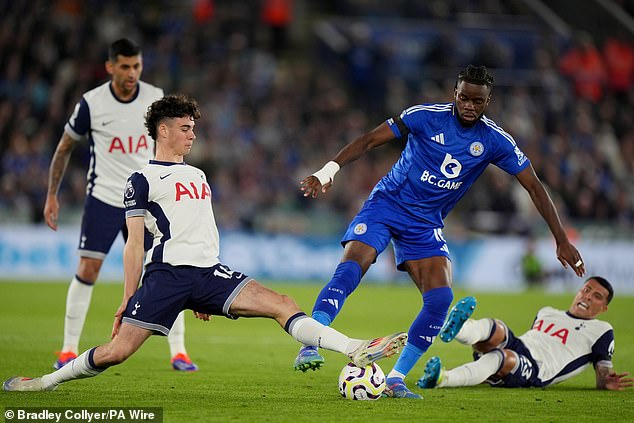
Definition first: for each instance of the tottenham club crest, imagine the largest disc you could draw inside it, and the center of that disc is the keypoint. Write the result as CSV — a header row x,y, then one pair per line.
x,y
476,148
360,229
129,190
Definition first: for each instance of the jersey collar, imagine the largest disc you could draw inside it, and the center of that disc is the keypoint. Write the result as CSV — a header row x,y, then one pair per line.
x,y
136,93
161,163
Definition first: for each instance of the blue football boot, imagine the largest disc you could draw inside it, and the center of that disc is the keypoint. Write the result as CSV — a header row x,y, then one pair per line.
x,y
308,358
459,314
433,374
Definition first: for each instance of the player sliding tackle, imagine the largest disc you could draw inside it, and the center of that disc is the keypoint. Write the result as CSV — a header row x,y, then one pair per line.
x,y
559,345
172,200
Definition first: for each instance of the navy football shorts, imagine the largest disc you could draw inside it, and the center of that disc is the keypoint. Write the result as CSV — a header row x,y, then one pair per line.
x,y
525,374
100,225
380,221
167,290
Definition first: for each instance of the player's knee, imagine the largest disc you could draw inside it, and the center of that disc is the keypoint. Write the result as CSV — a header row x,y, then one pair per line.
x,y
113,355
509,362
88,269
495,340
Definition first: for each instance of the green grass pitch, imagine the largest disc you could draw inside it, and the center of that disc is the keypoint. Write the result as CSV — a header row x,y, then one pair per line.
x,y
246,365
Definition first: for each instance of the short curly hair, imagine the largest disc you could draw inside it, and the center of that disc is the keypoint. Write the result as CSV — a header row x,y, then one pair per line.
x,y
478,75
170,106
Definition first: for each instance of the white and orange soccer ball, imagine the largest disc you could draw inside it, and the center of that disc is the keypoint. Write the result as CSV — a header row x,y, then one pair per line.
x,y
357,383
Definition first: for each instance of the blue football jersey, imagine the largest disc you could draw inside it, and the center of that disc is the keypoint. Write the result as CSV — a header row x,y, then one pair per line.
x,y
442,159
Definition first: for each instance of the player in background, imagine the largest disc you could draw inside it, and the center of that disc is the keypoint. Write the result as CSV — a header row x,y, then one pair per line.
x,y
448,147
559,345
110,117
172,201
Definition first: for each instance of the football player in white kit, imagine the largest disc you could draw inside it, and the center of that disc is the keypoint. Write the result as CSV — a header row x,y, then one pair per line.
x,y
110,117
559,345
172,201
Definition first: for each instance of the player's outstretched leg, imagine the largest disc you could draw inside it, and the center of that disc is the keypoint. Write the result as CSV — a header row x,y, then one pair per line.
x,y
375,349
433,374
20,383
459,314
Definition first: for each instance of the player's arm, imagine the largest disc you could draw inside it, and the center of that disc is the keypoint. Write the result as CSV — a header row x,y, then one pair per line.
x,y
56,172
567,254
133,254
608,379
323,178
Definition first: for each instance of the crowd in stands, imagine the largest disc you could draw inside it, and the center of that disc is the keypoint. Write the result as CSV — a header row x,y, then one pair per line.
x,y
274,112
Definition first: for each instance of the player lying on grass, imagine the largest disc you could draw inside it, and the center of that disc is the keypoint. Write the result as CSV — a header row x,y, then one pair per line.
x,y
172,201
559,345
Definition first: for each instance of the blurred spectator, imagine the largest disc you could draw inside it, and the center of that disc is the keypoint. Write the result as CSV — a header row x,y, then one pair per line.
x,y
584,65
619,62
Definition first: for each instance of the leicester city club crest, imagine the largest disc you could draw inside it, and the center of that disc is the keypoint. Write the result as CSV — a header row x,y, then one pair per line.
x,y
476,148
360,229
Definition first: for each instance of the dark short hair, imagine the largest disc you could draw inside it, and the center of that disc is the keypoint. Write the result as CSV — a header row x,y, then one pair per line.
x,y
123,47
168,107
604,283
474,74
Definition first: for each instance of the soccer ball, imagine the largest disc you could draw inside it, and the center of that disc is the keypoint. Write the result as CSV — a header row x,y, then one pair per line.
x,y
356,383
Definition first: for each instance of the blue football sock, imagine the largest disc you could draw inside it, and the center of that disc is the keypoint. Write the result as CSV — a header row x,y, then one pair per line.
x,y
425,327
331,298
322,317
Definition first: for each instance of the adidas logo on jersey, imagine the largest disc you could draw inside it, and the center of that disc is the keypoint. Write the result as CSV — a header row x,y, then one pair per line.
x,y
440,138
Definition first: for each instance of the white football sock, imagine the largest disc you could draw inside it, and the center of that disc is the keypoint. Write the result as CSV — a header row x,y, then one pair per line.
x,y
309,331
176,337
79,368
474,331
396,374
77,303
472,373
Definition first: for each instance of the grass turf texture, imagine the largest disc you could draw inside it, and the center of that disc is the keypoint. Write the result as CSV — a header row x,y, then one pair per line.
x,y
246,366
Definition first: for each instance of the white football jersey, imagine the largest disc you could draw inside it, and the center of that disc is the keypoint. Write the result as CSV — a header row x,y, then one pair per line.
x,y
175,200
563,345
119,142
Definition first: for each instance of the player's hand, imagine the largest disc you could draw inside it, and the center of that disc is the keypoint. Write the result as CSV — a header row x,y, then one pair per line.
x,y
311,186
568,255
202,316
117,319
51,211
618,381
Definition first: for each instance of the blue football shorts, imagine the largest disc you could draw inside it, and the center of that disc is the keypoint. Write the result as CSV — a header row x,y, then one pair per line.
x,y
100,225
381,221
525,374
167,290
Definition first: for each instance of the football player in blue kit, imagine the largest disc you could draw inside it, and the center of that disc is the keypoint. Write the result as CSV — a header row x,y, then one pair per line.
x,y
448,147
172,201
559,345
110,118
